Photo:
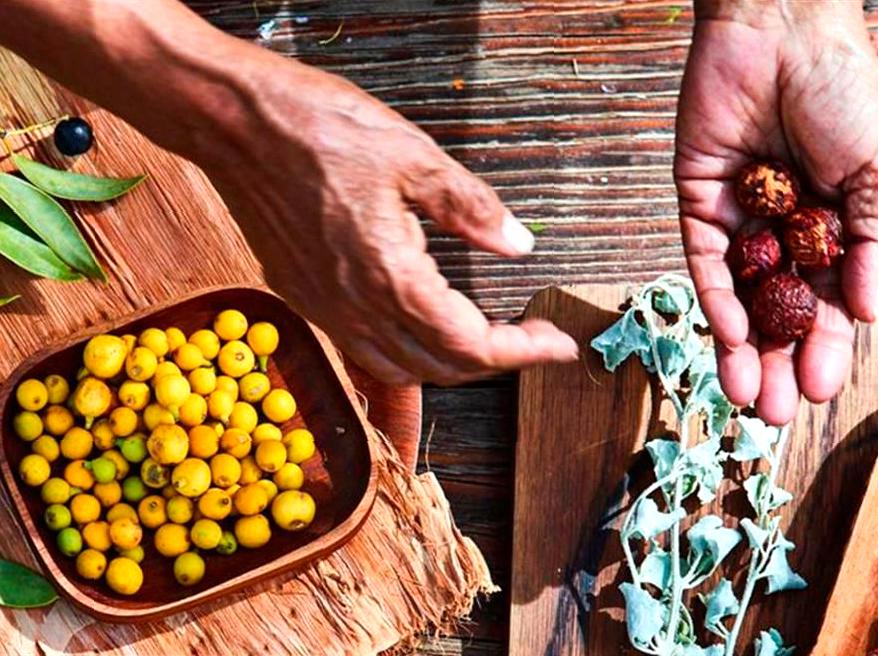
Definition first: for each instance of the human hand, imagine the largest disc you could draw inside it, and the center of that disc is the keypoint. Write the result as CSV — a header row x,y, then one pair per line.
x,y
327,184
798,83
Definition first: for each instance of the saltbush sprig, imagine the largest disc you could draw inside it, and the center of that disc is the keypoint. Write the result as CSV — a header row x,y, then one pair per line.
x,y
665,328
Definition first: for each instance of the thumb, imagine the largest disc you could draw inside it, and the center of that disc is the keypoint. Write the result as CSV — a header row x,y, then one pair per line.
x,y
462,204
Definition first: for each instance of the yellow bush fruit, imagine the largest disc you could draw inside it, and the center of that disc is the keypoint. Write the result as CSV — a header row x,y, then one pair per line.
x,y
192,477
176,338
153,474
300,445
203,442
189,568
220,405
263,339
215,504
57,387
125,533
123,421
96,535
124,576
236,442
171,540
254,386
27,425
34,470
180,509
244,416
46,446
230,325
102,434
271,456
58,420
91,564
155,340
250,472
135,395
155,415
206,534
152,511
279,406
293,510
225,470
85,508
189,357
266,431
91,399
289,477
202,380
207,341
168,445
236,359
193,412
32,395
229,385
253,531
78,475
55,490
141,364
251,499
104,356
122,511
109,494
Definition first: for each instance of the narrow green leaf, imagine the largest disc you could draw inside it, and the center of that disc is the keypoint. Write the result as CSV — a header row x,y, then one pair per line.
x,y
21,587
51,223
20,246
6,300
74,186
536,227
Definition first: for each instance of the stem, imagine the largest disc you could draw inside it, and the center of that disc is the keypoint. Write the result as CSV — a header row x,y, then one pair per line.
x,y
33,128
676,579
759,557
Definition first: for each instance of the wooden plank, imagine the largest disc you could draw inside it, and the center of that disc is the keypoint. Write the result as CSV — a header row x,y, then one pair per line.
x,y
577,426
581,432
169,237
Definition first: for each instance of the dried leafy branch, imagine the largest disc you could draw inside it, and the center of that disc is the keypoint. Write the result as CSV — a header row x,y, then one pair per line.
x,y
664,328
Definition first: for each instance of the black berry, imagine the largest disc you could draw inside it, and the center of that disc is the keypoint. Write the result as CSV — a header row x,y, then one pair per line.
x,y
73,136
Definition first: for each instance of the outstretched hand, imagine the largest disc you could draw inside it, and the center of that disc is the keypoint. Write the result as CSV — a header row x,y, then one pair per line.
x,y
802,89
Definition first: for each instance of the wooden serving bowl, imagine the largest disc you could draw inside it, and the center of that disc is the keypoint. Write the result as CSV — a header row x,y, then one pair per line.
x,y
340,477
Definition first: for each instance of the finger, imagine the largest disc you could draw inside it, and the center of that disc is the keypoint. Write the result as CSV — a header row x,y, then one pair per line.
x,y
860,275
460,335
860,266
462,204
740,372
825,355
366,354
779,392
706,245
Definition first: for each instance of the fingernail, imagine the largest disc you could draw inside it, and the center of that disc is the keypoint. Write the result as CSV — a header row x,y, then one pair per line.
x,y
516,235
569,351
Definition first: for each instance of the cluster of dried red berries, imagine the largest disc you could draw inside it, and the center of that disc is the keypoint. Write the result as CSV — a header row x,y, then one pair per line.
x,y
799,239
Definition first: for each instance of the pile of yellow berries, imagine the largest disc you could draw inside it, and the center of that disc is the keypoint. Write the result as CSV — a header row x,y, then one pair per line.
x,y
151,437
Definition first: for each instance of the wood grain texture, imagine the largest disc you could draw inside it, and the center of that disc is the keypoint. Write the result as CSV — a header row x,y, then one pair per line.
x,y
850,625
564,584
407,570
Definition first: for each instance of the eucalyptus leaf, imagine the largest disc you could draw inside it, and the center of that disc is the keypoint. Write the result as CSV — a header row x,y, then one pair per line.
x,y
620,340
19,245
644,614
719,603
74,186
770,643
649,521
21,587
6,300
656,569
42,214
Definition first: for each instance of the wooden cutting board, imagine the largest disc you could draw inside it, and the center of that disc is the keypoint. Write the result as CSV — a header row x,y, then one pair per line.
x,y
580,441
407,570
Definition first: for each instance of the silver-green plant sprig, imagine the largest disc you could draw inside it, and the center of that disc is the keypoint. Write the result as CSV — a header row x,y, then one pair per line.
x,y
663,326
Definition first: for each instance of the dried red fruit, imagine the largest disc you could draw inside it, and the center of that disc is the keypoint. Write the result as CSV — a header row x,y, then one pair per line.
x,y
754,256
767,189
813,237
784,307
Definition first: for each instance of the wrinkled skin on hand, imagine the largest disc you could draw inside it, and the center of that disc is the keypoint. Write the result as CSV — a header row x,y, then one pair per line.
x,y
805,92
327,185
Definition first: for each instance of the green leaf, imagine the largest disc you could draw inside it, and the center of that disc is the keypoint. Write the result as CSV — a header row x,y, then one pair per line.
x,y
673,14
664,454
708,397
21,587
756,487
756,536
673,356
778,572
6,300
51,223
19,245
74,186
770,643
712,541
673,299
703,462
720,602
536,227
649,521
644,614
755,439
620,340
656,568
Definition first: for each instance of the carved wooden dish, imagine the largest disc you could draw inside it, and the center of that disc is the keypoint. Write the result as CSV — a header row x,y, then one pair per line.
x,y
340,477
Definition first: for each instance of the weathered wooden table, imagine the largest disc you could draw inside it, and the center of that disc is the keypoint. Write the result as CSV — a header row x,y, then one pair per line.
x,y
567,108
